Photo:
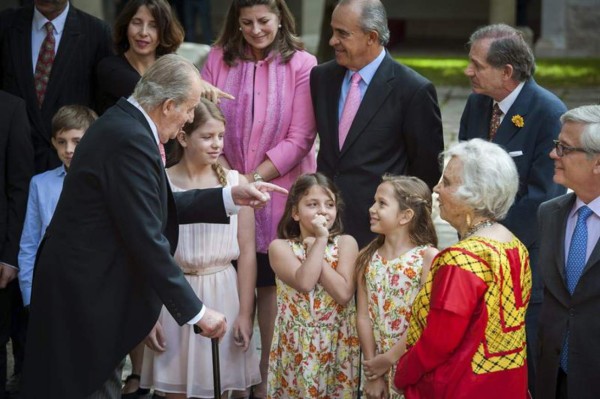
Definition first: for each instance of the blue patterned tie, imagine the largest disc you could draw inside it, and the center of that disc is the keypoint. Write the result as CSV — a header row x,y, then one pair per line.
x,y
575,265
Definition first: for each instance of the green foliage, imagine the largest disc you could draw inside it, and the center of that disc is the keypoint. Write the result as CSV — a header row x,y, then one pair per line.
x,y
555,72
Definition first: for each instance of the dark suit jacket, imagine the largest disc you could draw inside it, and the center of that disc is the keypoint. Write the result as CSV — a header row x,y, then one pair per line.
x,y
105,267
84,42
529,147
396,130
580,312
16,169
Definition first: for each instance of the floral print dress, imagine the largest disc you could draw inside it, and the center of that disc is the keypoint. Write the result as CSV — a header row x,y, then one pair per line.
x,y
315,349
391,286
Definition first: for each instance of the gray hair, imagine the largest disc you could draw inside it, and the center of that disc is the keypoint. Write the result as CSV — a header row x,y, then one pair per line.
x,y
508,47
489,177
169,78
589,115
373,18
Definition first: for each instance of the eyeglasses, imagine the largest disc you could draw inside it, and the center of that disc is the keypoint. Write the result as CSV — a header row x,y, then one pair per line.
x,y
562,150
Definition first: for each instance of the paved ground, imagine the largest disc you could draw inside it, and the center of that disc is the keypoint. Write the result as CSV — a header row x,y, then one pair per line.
x,y
452,101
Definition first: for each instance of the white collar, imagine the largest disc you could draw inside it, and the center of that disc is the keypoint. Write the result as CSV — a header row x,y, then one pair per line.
x,y
153,127
40,20
510,99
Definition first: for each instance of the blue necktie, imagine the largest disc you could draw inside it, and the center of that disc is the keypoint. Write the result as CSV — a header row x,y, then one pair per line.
x,y
575,265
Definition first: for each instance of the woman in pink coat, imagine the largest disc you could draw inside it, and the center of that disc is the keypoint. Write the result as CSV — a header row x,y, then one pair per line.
x,y
270,125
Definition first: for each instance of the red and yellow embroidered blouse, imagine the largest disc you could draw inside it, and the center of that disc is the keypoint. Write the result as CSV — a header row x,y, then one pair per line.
x,y
466,338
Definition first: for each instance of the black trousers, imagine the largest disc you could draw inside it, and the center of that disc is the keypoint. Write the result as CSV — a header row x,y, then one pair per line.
x,y
561,385
13,324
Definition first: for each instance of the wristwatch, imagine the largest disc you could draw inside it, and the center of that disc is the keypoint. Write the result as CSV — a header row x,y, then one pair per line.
x,y
257,177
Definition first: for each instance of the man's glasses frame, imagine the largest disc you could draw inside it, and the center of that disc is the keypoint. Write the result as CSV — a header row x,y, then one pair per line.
x,y
562,150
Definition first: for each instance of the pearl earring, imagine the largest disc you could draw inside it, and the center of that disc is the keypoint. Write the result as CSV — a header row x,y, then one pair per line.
x,y
240,28
279,26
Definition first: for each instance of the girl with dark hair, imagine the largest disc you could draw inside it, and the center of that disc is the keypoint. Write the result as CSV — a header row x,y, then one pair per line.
x,y
205,252
391,270
270,125
315,349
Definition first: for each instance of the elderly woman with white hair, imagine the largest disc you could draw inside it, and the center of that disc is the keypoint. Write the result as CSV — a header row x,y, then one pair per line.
x,y
466,338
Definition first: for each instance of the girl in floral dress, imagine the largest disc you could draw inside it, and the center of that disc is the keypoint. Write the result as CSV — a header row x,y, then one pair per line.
x,y
315,349
391,270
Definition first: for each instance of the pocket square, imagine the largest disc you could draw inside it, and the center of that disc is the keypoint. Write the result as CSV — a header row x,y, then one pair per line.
x,y
515,153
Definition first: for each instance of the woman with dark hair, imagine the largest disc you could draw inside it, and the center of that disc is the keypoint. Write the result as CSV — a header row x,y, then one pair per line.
x,y
270,125
143,31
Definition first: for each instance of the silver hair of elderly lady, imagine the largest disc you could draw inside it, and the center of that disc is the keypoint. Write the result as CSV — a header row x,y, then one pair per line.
x,y
589,115
373,17
168,78
489,177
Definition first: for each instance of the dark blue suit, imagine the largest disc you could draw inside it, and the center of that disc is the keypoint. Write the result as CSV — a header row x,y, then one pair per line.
x,y
529,147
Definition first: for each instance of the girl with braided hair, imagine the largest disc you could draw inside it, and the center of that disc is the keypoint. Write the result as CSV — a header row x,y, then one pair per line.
x,y
391,270
204,253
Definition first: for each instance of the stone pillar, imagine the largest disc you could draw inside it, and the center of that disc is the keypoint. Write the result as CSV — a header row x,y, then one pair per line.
x,y
93,7
553,38
503,11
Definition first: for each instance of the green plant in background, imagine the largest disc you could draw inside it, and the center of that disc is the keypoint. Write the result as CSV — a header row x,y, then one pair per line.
x,y
555,72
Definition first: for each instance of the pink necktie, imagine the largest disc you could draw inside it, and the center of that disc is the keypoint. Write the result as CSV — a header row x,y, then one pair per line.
x,y
161,149
350,107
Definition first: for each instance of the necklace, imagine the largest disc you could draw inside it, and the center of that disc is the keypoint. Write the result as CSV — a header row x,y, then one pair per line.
x,y
478,226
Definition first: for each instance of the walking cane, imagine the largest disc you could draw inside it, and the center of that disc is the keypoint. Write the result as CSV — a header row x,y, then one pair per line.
x,y
215,363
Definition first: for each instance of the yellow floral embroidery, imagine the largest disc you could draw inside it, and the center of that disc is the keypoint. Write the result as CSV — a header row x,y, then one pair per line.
x,y
518,120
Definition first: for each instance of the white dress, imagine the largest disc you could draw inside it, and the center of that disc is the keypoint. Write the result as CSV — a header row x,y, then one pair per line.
x,y
204,252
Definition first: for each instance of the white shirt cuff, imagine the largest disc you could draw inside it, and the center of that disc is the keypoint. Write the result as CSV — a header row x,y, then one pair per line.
x,y
198,317
230,207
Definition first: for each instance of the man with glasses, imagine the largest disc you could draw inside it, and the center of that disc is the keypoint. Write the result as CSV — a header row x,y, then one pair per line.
x,y
510,109
569,228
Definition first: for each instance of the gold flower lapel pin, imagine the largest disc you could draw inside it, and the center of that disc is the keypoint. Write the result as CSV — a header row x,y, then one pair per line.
x,y
518,120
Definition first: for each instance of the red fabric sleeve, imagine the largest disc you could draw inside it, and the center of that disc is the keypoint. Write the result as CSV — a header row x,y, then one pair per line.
x,y
455,295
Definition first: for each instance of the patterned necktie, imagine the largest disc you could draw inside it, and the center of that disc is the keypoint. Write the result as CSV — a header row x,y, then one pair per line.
x,y
161,149
575,265
350,107
44,63
495,122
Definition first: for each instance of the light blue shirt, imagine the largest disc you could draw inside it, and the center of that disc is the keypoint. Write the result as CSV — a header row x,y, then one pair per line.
x,y
44,191
593,226
38,32
366,74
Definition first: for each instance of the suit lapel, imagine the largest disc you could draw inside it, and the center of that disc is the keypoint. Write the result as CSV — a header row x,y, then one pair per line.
x,y
20,49
334,90
522,104
376,94
559,218
170,225
64,57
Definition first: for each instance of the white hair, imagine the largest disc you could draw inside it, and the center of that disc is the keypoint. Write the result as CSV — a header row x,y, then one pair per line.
x,y
169,78
489,177
589,115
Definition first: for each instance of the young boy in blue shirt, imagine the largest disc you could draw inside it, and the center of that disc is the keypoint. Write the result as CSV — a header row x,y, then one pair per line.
x,y
68,126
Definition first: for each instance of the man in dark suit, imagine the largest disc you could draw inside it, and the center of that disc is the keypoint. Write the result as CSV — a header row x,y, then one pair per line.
x,y
395,129
16,169
526,121
105,267
80,42
569,228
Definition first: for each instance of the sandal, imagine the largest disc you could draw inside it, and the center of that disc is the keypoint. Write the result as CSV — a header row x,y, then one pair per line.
x,y
136,394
